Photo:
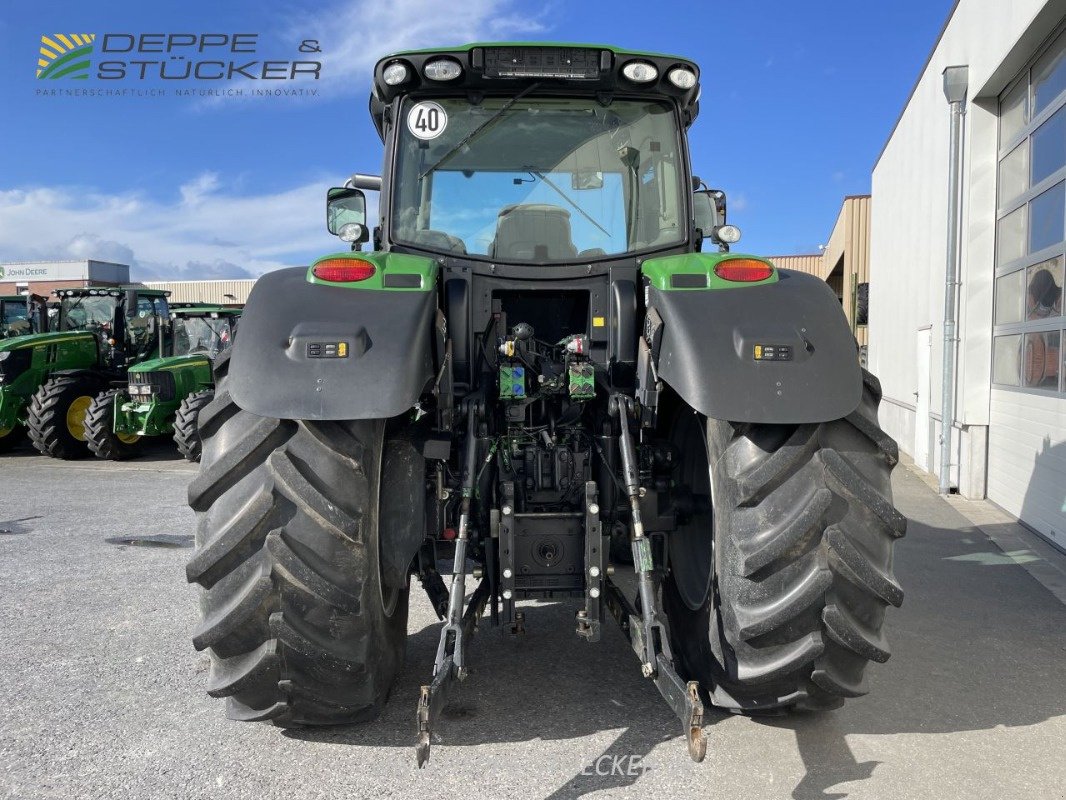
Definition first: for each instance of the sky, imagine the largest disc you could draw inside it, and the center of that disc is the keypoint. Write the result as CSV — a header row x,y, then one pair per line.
x,y
798,99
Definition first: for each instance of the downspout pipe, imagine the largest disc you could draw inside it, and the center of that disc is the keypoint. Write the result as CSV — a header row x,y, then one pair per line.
x,y
956,83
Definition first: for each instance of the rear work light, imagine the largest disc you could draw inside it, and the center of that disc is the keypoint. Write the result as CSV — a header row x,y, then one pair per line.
x,y
743,270
343,270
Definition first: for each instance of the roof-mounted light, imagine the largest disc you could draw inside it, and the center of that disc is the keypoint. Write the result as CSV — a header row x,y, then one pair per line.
x,y
442,69
395,73
682,77
640,71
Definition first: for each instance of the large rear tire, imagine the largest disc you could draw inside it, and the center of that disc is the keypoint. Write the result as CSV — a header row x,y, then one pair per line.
x,y
56,420
100,429
777,591
186,428
297,624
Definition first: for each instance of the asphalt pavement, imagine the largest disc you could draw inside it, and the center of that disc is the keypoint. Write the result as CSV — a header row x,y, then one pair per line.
x,y
105,692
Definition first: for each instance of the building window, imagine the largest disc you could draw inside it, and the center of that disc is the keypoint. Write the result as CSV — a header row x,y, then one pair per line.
x,y
1029,326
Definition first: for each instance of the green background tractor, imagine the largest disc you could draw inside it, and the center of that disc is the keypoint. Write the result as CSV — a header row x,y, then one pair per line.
x,y
549,346
164,395
50,379
22,314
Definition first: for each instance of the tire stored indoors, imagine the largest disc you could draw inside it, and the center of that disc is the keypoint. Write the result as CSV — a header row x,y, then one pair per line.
x,y
781,575
297,621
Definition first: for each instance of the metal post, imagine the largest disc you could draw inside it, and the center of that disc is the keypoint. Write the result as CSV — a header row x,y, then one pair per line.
x,y
955,85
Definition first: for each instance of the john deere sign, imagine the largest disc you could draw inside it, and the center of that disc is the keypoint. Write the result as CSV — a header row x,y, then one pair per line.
x,y
83,270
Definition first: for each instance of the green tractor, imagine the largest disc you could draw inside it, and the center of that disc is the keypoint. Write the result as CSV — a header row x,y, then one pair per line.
x,y
164,395
549,349
22,314
49,380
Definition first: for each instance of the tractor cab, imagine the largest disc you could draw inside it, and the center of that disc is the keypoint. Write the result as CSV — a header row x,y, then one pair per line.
x,y
130,323
203,329
22,314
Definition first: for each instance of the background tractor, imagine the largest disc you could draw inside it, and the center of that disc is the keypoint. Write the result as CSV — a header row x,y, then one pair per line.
x,y
164,395
48,380
535,357
22,314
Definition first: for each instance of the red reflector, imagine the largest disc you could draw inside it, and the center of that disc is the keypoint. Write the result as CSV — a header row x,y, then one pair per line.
x,y
343,270
744,270
448,534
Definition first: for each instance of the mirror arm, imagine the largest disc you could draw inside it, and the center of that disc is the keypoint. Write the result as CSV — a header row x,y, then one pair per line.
x,y
362,181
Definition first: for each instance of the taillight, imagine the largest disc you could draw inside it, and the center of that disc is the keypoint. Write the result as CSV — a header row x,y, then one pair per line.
x,y
343,270
743,270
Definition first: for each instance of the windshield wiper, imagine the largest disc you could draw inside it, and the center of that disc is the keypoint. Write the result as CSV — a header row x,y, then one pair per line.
x,y
566,197
474,133
66,313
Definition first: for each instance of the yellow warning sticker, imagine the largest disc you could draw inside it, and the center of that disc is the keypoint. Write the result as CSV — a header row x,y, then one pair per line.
x,y
342,349
599,322
758,351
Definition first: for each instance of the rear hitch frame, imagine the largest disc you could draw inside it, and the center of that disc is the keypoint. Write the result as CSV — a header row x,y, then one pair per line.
x,y
450,662
646,632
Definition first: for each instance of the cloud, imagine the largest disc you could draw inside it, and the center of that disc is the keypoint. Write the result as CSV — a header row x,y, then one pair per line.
x,y
354,35
737,202
205,231
90,245
195,190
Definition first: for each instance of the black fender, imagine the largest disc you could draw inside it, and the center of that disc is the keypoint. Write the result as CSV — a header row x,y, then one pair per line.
x,y
706,350
402,510
275,370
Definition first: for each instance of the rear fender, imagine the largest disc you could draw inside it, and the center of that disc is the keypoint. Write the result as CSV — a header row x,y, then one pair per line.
x,y
778,352
316,351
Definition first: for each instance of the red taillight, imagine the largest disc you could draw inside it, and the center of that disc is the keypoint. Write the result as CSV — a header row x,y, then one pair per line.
x,y
744,270
343,270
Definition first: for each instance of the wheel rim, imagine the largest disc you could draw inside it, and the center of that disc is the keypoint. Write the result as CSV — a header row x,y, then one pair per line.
x,y
128,438
692,544
5,431
76,416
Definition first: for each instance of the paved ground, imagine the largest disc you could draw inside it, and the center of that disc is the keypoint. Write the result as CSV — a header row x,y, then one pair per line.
x,y
105,699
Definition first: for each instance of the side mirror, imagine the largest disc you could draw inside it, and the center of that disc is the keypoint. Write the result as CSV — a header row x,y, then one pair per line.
x,y
346,214
709,214
705,211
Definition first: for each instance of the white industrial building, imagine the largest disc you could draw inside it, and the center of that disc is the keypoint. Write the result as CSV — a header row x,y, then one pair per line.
x,y
224,292
1008,418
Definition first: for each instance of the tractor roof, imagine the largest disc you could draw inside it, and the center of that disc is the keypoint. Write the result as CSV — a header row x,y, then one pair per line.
x,y
621,51
204,310
114,291
507,68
